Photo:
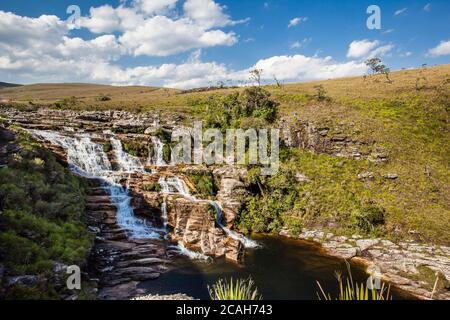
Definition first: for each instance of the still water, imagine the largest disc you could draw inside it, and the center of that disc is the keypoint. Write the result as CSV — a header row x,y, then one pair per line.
x,y
282,269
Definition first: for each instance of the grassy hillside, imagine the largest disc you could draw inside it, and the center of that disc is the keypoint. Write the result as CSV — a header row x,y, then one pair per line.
x,y
408,119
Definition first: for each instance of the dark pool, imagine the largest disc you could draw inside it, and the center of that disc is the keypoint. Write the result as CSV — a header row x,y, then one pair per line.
x,y
282,269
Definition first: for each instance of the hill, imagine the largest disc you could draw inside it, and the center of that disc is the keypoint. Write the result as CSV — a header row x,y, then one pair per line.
x,y
8,85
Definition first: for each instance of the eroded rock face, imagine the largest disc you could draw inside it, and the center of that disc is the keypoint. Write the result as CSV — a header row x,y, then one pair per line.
x,y
194,225
308,136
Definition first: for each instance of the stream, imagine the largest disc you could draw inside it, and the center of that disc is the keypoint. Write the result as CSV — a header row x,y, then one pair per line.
x,y
281,268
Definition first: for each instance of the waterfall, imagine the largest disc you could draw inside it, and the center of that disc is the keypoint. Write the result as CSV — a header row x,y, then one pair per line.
x,y
125,161
158,156
88,159
191,254
164,216
175,185
246,242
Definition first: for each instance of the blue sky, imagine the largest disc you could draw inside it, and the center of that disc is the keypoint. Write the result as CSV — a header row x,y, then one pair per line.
x,y
189,43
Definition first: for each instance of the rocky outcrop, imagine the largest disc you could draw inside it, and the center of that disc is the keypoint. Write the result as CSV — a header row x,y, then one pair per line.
x,y
334,141
118,263
194,225
410,266
231,193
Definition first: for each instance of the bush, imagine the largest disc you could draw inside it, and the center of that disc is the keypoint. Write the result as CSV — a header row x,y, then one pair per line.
x,y
368,218
230,111
42,218
239,290
204,184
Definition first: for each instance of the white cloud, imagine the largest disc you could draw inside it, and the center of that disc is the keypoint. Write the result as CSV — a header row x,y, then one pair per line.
x,y
400,12
42,50
296,45
208,14
146,31
406,54
154,6
300,44
296,21
442,49
427,7
161,36
360,49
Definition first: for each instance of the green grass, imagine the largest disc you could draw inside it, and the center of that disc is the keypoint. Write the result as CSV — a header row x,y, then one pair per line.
x,y
42,219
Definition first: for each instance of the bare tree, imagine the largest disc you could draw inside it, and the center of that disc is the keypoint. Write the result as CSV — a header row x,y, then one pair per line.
x,y
255,75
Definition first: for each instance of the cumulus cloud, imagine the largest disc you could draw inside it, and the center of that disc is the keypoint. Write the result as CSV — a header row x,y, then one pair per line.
x,y
154,6
42,49
161,36
148,28
296,21
442,49
208,14
360,49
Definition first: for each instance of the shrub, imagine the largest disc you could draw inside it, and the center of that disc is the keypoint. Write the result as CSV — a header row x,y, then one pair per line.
x,y
42,218
234,290
204,184
348,290
230,111
368,218
155,187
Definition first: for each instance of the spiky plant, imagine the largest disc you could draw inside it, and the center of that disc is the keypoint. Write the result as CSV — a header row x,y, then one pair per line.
x,y
241,289
348,290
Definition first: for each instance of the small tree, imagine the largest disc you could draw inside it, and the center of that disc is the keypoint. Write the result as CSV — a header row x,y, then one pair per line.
x,y
378,67
255,76
321,93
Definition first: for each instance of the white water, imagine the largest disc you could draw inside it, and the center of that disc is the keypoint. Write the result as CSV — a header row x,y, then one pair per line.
x,y
125,161
246,242
191,254
88,159
158,153
175,185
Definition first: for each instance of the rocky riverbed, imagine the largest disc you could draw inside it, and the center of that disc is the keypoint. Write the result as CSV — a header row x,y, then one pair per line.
x,y
121,262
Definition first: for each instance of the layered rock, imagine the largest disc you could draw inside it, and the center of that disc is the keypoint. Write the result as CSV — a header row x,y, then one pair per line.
x,y
194,225
402,264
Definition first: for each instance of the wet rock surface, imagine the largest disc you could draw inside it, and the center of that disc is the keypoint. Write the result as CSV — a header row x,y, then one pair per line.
x,y
119,262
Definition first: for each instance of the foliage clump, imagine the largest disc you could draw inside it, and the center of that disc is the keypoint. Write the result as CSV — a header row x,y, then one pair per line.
x,y
232,110
42,219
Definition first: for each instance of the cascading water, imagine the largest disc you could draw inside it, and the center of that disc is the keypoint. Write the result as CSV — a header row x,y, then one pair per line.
x,y
175,185
246,242
125,161
158,156
88,159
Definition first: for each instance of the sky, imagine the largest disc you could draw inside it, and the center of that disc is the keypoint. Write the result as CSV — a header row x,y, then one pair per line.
x,y
194,43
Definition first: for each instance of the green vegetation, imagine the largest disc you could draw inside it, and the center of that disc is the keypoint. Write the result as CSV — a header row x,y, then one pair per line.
x,y
234,290
154,187
204,184
41,219
137,149
348,290
252,107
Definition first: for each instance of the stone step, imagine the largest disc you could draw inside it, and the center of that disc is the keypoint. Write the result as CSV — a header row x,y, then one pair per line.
x,y
98,192
99,199
100,207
